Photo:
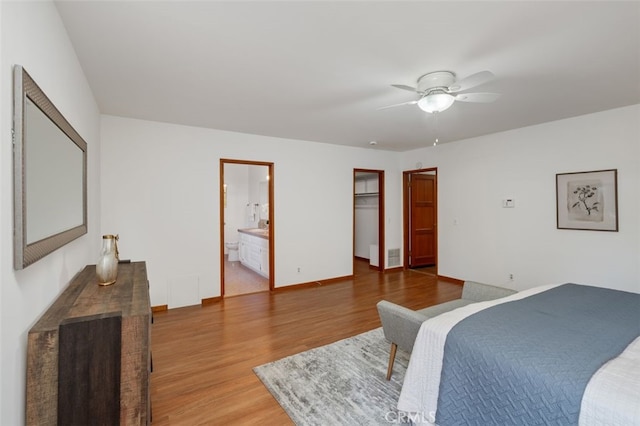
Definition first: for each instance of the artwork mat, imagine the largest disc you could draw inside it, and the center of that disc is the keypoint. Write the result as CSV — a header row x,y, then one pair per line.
x,y
606,195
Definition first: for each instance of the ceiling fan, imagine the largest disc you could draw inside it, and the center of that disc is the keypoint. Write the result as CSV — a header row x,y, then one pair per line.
x,y
439,90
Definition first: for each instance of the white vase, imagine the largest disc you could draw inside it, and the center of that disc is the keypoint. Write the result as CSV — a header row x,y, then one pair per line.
x,y
107,266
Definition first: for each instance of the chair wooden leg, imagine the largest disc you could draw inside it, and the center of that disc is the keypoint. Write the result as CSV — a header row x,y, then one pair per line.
x,y
392,358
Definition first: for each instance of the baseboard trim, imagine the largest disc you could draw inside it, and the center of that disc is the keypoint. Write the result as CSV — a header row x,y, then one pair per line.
x,y
210,300
311,284
450,280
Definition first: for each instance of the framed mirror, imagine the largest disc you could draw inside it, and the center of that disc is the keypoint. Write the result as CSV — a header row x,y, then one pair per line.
x,y
50,175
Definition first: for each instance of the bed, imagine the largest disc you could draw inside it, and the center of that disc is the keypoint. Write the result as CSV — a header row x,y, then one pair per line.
x,y
560,354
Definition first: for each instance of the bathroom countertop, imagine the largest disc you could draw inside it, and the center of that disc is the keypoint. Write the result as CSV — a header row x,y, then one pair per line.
x,y
256,232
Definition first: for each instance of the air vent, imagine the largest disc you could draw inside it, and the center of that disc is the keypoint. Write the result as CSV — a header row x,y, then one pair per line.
x,y
393,257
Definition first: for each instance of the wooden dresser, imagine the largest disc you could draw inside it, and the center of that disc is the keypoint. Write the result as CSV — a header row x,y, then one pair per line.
x,y
88,356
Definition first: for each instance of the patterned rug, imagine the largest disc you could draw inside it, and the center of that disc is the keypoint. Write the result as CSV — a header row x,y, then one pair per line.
x,y
339,384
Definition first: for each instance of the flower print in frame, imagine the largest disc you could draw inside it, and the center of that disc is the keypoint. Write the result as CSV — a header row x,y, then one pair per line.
x,y
587,200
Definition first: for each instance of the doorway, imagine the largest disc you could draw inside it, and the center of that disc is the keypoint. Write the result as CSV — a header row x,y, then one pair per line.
x,y
368,219
420,194
246,227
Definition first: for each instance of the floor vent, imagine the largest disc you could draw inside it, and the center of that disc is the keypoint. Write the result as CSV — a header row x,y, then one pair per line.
x,y
393,257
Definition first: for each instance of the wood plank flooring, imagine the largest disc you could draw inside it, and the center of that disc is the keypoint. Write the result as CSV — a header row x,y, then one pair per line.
x,y
203,356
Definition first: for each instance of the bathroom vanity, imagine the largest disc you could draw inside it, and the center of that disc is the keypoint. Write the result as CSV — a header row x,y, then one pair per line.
x,y
253,250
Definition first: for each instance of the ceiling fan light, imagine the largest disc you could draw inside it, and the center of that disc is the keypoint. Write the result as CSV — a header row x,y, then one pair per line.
x,y
436,102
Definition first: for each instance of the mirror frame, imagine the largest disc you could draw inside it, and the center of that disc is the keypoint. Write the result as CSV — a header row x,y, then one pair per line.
x,y
27,253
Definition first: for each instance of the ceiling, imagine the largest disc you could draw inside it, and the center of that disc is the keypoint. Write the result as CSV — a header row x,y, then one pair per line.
x,y
318,70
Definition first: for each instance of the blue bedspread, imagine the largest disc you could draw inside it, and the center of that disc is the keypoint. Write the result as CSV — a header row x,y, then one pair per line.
x,y
527,362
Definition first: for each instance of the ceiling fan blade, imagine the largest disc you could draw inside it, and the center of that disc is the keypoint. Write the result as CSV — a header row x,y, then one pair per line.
x,y
477,97
403,87
397,105
472,81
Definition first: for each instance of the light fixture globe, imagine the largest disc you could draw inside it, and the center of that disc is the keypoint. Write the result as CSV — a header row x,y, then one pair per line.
x,y
436,101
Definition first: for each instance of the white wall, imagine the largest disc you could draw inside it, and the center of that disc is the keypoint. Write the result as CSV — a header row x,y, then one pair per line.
x,y
236,177
160,186
480,240
32,35
160,193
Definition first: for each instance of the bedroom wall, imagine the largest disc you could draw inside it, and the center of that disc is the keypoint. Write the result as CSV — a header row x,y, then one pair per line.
x,y
160,192
31,34
480,240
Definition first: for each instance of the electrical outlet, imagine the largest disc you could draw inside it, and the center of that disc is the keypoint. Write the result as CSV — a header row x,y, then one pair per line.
x,y
510,277
508,203
298,269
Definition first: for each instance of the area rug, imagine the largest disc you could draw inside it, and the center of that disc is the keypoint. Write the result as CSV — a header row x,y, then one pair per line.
x,y
338,384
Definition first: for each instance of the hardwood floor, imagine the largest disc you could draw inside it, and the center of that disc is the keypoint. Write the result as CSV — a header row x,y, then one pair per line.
x,y
203,356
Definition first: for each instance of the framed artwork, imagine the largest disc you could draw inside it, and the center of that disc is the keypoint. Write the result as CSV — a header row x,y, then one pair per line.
x,y
587,200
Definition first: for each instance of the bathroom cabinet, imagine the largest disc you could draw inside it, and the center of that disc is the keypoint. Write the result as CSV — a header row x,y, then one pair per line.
x,y
254,253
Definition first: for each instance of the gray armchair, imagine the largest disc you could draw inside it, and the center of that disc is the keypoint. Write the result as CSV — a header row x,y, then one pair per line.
x,y
401,325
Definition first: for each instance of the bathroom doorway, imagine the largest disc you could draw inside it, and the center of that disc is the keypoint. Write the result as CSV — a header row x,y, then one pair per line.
x,y
246,227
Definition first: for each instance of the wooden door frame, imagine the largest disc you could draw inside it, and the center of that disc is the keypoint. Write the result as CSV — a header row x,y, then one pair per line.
x,y
406,175
272,232
381,239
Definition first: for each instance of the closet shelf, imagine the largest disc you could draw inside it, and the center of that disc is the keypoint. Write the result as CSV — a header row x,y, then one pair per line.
x,y
367,194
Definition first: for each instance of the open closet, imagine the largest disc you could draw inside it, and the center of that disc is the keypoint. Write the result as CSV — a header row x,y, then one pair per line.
x,y
368,212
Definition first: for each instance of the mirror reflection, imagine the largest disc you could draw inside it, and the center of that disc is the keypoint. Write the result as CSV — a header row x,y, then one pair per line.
x,y
53,177
50,172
